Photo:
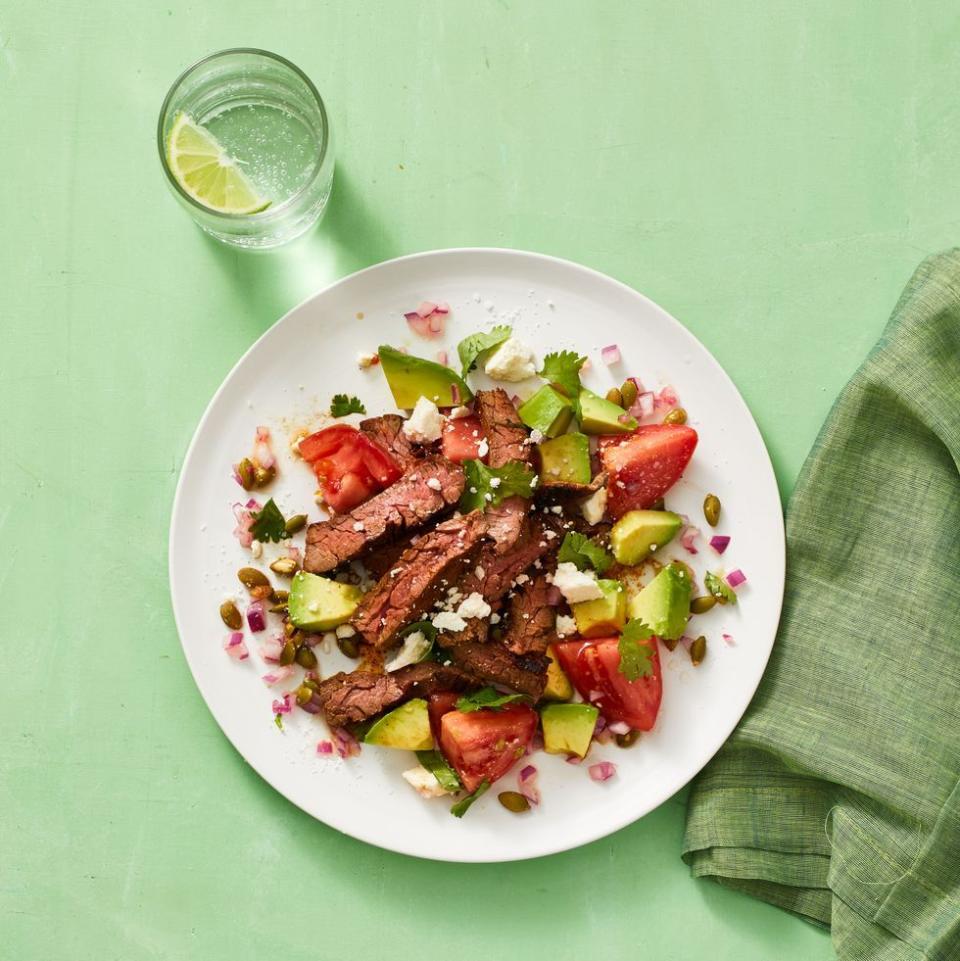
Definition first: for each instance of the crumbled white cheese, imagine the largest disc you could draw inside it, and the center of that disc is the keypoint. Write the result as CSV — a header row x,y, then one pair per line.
x,y
512,361
522,578
495,481
365,360
595,506
413,650
425,424
534,482
474,606
434,484
536,436
423,782
494,618
448,621
557,509
459,412
480,572
565,625
358,526
483,448
576,585
345,630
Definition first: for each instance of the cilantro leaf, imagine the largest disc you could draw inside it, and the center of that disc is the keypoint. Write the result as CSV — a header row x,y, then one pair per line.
x,y
437,765
463,805
341,405
562,369
485,697
719,588
584,552
477,347
490,485
269,524
635,654
278,720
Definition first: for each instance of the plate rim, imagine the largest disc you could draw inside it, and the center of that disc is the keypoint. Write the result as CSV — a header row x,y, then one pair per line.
x,y
547,848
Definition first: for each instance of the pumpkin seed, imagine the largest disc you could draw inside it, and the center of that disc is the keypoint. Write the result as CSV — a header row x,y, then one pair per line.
x,y
711,509
251,578
348,646
263,475
657,505
295,523
628,393
289,628
284,566
615,397
304,694
700,605
246,472
628,739
305,657
670,644
514,801
677,416
288,653
698,650
231,616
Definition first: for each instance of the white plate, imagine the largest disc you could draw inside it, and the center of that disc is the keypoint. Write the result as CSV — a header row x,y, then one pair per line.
x,y
289,374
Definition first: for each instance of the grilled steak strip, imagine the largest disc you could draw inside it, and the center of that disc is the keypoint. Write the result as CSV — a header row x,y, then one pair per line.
x,y
387,432
494,664
425,570
383,557
358,696
502,427
407,504
531,620
505,522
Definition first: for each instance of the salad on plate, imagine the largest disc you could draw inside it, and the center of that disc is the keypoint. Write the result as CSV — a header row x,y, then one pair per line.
x,y
503,568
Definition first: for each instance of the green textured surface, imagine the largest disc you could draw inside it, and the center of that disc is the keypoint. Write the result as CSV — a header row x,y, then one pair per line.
x,y
770,174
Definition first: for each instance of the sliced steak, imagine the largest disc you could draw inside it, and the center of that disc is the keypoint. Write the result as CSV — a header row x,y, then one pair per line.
x,y
424,571
358,696
497,570
387,431
532,622
494,664
383,557
502,427
406,505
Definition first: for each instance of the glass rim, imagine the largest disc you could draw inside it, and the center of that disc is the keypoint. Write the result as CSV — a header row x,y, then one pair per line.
x,y
272,210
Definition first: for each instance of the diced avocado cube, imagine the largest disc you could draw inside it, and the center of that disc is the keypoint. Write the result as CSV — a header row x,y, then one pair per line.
x,y
406,727
601,416
639,533
320,604
605,615
565,460
568,728
411,378
664,604
558,686
548,411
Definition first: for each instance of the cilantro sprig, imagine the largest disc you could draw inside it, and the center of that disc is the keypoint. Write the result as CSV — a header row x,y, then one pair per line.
x,y
486,697
437,765
463,805
341,405
719,588
269,524
636,655
477,347
488,486
584,552
562,370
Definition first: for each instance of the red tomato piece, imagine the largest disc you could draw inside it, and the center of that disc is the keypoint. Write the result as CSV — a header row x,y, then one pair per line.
x,y
437,706
483,745
461,439
593,667
350,467
645,465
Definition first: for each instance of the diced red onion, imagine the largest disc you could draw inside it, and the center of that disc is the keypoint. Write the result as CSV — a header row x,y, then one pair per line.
x,y
603,737
419,325
554,596
346,744
527,783
610,355
442,357
283,705
442,308
277,674
536,743
244,517
624,418
262,451
687,537
256,617
686,641
643,406
236,475
618,727
426,308
736,578
313,706
667,398
719,542
728,640
600,724
602,771
455,394
235,647
271,649
324,747
574,759
436,323
294,553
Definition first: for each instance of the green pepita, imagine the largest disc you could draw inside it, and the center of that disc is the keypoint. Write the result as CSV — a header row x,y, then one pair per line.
x,y
514,801
263,475
628,394
246,472
288,653
284,566
231,616
702,604
711,509
615,397
305,657
628,739
251,578
698,650
677,416
295,523
348,646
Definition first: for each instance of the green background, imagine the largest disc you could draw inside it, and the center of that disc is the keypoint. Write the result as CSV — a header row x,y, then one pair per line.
x,y
769,172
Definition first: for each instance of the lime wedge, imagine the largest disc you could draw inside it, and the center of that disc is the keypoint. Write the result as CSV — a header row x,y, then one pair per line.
x,y
207,172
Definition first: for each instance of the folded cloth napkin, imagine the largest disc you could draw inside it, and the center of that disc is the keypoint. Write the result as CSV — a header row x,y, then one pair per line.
x,y
838,796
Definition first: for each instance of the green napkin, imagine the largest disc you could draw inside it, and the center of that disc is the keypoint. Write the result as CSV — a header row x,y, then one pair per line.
x,y
838,796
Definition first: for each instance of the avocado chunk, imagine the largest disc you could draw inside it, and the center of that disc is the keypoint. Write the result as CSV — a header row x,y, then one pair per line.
x,y
406,727
664,604
558,686
565,460
411,378
320,604
568,728
639,533
601,416
548,411
604,616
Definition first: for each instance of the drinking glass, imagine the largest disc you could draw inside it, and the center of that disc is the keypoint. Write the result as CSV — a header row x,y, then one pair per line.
x,y
271,122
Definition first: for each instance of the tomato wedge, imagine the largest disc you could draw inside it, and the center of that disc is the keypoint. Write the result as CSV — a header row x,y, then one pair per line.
x,y
461,439
483,745
644,465
437,706
350,467
592,666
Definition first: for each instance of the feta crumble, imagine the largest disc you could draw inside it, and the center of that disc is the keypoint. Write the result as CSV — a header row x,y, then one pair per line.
x,y
565,625
425,424
576,585
474,606
448,621
512,361
365,360
434,484
423,782
595,506
483,448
